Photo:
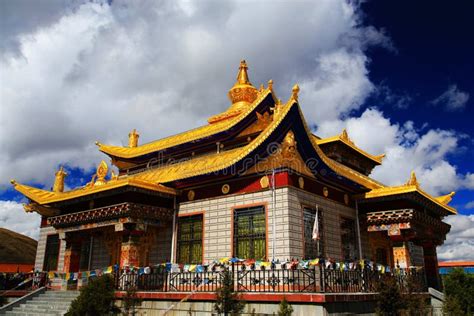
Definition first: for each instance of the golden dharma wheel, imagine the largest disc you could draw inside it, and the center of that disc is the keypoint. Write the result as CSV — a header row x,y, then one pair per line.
x,y
225,188
264,182
191,195
301,182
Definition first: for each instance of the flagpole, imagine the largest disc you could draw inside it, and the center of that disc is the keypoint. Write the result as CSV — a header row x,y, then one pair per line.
x,y
273,214
317,223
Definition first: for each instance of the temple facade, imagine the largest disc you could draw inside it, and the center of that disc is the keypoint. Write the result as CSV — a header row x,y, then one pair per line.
x,y
252,183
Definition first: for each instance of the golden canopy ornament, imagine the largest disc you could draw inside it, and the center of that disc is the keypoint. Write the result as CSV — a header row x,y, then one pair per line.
x,y
243,92
60,175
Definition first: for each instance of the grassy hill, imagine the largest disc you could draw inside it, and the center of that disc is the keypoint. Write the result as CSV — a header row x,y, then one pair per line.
x,y
16,248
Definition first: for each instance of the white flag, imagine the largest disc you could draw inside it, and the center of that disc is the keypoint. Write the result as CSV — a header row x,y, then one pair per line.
x,y
316,225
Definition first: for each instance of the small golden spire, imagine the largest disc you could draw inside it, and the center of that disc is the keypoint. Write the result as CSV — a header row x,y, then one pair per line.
x,y
12,181
242,76
59,180
413,181
97,143
270,84
133,138
296,91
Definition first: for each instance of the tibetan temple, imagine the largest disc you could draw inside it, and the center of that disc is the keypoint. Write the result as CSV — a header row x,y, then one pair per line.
x,y
251,183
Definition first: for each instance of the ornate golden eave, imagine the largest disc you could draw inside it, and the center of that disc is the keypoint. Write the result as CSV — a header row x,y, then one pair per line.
x,y
44,197
344,139
412,186
194,134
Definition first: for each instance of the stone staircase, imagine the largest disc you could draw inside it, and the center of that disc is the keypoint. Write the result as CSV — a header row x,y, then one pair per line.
x,y
49,303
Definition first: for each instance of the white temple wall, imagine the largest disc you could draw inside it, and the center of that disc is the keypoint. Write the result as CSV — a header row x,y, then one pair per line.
x,y
218,220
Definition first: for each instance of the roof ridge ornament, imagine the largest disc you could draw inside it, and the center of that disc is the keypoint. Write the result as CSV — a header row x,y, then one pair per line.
x,y
58,185
445,199
295,91
345,136
133,138
413,181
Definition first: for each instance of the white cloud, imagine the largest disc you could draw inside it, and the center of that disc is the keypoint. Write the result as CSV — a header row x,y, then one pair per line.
x,y
469,205
452,99
459,244
406,149
13,217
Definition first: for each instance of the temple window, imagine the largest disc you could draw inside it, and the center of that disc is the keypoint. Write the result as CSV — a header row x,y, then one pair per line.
x,y
52,253
250,233
313,248
348,238
190,239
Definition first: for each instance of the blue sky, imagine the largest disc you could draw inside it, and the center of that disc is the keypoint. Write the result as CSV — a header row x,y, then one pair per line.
x,y
433,49
396,74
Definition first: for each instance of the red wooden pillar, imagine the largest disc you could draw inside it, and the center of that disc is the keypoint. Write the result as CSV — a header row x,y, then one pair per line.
x,y
129,251
72,256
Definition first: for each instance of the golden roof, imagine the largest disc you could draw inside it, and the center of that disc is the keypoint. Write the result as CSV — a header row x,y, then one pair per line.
x,y
151,179
344,138
194,134
154,178
412,185
43,197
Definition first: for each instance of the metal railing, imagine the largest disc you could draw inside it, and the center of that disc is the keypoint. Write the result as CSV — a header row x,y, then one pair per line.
x,y
315,279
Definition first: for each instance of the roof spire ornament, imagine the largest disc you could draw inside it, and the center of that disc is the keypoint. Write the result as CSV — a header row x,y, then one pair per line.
x,y
133,138
413,181
295,92
60,175
243,92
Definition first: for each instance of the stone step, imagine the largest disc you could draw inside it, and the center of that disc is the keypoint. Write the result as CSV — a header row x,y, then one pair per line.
x,y
46,303
49,306
55,299
36,309
22,313
60,294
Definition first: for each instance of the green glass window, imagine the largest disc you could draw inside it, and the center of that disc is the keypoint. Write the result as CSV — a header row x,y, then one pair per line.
x,y
313,248
51,255
250,233
190,239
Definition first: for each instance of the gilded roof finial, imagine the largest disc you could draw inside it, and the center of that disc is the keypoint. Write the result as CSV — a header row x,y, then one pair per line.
x,y
133,138
242,76
296,91
243,92
58,185
270,84
413,180
101,173
445,199
345,136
